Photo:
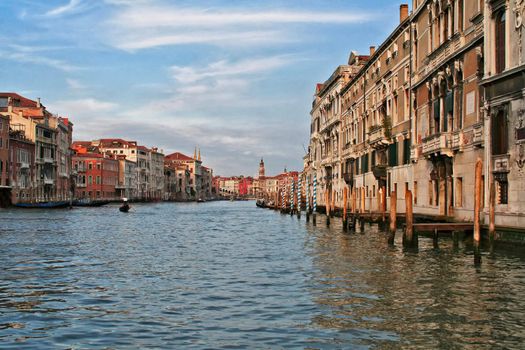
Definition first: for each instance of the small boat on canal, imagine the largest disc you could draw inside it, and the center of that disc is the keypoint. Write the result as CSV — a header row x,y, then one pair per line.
x,y
261,203
43,205
124,207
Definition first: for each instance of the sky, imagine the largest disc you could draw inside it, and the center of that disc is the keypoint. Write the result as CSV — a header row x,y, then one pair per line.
x,y
234,78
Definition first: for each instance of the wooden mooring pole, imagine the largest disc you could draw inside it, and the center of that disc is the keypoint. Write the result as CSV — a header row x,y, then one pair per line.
x,y
393,217
327,207
332,207
477,209
409,239
345,198
492,204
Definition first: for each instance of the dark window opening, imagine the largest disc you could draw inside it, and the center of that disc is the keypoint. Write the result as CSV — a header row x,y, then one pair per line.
x,y
500,41
499,134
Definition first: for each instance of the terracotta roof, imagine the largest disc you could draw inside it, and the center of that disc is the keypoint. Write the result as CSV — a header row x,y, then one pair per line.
x,y
177,156
116,141
143,148
24,102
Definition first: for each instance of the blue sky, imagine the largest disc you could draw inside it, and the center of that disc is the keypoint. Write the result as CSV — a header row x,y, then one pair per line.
x,y
235,78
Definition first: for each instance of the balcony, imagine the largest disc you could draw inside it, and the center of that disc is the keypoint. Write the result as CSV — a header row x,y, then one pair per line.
x,y
49,181
477,139
379,171
349,178
377,137
80,185
48,160
23,165
457,141
437,144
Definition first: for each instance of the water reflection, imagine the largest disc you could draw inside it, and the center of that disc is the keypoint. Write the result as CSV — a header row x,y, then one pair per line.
x,y
228,275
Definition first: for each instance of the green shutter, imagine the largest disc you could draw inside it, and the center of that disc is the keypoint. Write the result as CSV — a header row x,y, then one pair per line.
x,y
392,154
449,109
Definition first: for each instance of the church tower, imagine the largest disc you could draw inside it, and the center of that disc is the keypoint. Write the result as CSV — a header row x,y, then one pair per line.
x,y
261,168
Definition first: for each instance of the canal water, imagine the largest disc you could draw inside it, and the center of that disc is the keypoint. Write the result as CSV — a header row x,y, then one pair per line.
x,y
227,275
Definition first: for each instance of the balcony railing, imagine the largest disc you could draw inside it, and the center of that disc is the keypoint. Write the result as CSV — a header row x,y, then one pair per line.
x,y
437,144
377,136
49,181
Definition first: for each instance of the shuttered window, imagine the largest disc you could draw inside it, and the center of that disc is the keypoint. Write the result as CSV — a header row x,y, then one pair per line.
x,y
499,134
392,154
449,109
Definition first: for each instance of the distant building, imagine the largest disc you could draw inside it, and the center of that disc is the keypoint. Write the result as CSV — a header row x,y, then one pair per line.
x,y
51,150
4,158
21,166
97,173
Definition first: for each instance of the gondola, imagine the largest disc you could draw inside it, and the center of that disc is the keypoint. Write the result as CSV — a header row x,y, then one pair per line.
x,y
43,205
260,203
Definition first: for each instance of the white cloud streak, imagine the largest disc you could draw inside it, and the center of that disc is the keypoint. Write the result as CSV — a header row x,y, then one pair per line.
x,y
28,57
137,27
71,6
224,68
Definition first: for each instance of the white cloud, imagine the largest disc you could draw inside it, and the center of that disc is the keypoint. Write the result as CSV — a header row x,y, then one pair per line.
x,y
171,17
136,27
224,68
136,40
82,108
75,84
71,6
28,57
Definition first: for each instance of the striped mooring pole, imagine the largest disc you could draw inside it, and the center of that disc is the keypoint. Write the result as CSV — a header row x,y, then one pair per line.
x,y
283,201
292,198
299,197
314,204
307,196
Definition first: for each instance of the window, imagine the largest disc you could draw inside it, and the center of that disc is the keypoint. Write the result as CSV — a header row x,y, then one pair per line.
x,y
499,133
500,41
502,189
98,180
90,179
90,166
406,151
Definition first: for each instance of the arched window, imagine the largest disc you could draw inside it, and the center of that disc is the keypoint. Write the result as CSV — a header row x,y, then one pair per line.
x,y
500,41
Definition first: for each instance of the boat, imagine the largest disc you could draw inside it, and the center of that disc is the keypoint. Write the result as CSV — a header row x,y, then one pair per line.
x,y
86,202
125,206
200,200
43,205
260,203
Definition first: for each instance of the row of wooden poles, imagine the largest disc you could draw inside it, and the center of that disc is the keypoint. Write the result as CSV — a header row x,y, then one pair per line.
x,y
292,201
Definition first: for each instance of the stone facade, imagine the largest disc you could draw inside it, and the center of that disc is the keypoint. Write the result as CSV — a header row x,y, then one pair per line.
x,y
444,89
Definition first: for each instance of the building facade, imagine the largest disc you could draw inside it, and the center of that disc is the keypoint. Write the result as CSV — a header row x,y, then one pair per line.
x,y
445,89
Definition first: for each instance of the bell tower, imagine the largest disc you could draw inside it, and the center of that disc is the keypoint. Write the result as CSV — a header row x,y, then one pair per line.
x,y
261,168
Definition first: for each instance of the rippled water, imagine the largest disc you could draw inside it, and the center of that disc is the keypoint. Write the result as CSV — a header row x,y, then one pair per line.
x,y
229,275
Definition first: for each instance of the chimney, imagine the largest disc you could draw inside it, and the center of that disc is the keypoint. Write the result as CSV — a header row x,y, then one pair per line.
x,y
372,50
38,102
403,12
